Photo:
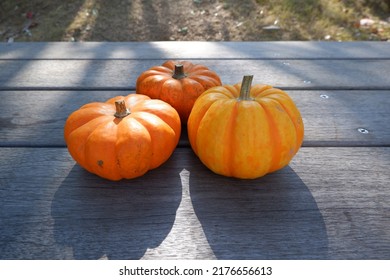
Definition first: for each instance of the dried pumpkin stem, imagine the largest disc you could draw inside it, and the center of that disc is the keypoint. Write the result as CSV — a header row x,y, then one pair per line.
x,y
121,110
246,88
179,72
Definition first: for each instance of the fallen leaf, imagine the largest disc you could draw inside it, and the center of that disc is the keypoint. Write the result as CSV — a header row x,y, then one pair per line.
x,y
183,30
272,27
29,15
366,22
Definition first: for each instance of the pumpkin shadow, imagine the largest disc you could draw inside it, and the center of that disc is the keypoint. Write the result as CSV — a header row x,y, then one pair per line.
x,y
98,218
273,217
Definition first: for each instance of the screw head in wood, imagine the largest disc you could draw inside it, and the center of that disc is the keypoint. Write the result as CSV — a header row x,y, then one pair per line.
x,y
363,130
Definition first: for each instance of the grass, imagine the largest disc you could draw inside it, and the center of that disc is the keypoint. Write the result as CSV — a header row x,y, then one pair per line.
x,y
320,20
245,20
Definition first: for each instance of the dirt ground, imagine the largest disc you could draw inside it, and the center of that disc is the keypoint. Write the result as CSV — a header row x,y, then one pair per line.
x,y
204,20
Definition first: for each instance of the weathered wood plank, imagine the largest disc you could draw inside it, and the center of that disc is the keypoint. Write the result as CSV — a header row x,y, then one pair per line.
x,y
195,50
331,118
122,74
316,208
329,203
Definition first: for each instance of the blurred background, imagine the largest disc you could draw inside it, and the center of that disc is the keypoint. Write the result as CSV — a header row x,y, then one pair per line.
x,y
194,20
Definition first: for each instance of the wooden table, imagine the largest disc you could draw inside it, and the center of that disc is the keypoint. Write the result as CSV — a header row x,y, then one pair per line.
x,y
331,202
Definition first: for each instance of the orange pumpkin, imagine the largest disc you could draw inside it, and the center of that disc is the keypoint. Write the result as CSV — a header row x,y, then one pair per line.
x,y
123,137
178,83
243,131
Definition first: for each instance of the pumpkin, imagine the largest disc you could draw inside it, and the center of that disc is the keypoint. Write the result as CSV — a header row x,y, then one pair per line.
x,y
245,132
178,83
123,137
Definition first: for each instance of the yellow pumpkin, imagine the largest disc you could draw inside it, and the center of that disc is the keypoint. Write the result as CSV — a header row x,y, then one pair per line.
x,y
245,132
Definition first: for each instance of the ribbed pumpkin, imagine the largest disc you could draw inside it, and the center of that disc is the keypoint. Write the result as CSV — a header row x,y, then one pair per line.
x,y
123,137
177,82
243,131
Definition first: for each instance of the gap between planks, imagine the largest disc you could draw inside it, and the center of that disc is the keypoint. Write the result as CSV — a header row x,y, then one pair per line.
x,y
78,88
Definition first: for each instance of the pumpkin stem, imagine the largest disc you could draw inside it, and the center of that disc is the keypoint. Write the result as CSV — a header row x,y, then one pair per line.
x,y
121,110
246,88
179,72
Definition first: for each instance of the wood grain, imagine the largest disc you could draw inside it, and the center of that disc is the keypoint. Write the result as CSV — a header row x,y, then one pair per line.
x,y
37,118
122,74
316,208
195,50
331,202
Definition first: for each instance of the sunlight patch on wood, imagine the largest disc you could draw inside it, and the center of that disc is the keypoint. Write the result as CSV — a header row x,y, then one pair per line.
x,y
186,239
